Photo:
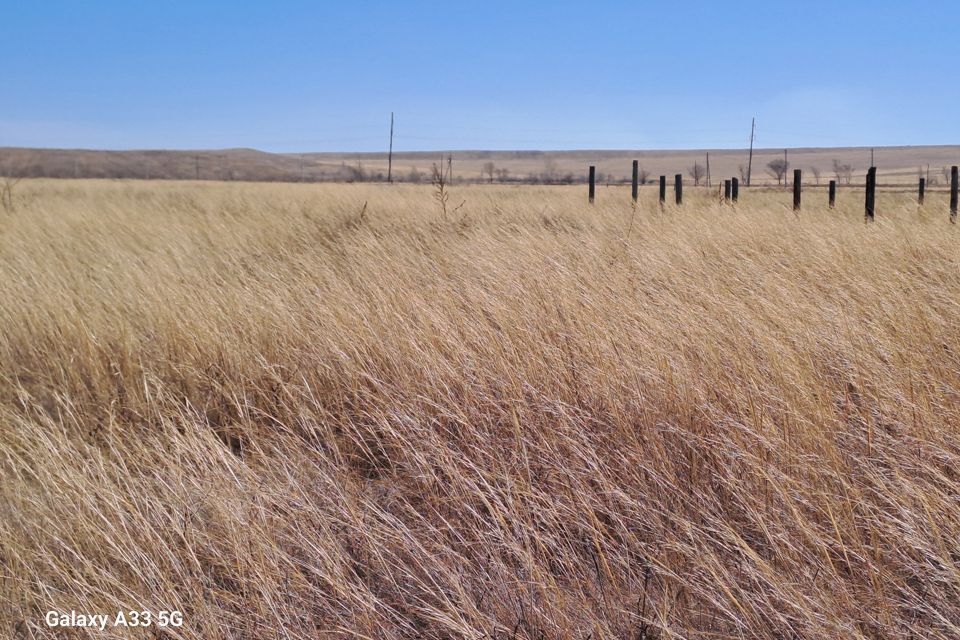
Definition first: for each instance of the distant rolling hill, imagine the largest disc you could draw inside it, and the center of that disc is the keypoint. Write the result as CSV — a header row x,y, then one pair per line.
x,y
895,164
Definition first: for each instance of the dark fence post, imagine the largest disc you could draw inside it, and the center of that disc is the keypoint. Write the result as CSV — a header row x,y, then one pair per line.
x,y
871,194
678,187
636,179
833,193
920,189
796,189
726,191
953,194
593,182
663,190
735,189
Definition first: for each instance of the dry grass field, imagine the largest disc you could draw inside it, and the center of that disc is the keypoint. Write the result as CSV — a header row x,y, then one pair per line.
x,y
329,411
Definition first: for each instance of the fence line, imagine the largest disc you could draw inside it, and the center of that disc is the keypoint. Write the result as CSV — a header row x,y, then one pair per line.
x,y
731,190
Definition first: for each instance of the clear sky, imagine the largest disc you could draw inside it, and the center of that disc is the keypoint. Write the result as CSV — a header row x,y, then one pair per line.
x,y
324,76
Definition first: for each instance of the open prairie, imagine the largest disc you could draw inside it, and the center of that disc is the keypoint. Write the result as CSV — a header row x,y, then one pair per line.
x,y
896,165
335,411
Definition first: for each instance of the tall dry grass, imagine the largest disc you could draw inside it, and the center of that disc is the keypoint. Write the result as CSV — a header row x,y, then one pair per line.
x,y
292,417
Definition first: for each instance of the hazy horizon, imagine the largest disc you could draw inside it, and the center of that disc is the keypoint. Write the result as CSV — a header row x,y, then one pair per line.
x,y
384,152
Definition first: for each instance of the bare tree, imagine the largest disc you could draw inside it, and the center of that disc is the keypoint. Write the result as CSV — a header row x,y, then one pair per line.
x,y
696,172
945,171
550,170
743,173
816,173
354,174
643,176
843,172
778,168
502,174
414,175
489,169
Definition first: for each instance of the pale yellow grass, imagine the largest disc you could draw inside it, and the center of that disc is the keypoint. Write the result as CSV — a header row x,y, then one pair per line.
x,y
534,419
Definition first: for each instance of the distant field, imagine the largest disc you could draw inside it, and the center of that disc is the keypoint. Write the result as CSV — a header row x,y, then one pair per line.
x,y
895,164
335,411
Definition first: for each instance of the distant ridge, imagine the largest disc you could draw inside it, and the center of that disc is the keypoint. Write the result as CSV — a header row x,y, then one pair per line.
x,y
895,163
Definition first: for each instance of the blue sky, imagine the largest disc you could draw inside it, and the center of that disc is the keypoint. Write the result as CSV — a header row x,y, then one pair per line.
x,y
324,76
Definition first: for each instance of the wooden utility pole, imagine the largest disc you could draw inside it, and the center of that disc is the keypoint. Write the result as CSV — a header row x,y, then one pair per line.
x,y
753,126
390,153
786,165
708,169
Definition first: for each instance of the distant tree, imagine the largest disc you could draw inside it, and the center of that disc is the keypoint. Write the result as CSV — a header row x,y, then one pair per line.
x,y
414,175
550,170
743,174
696,172
816,173
489,169
778,168
356,174
502,174
643,176
843,172
945,171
